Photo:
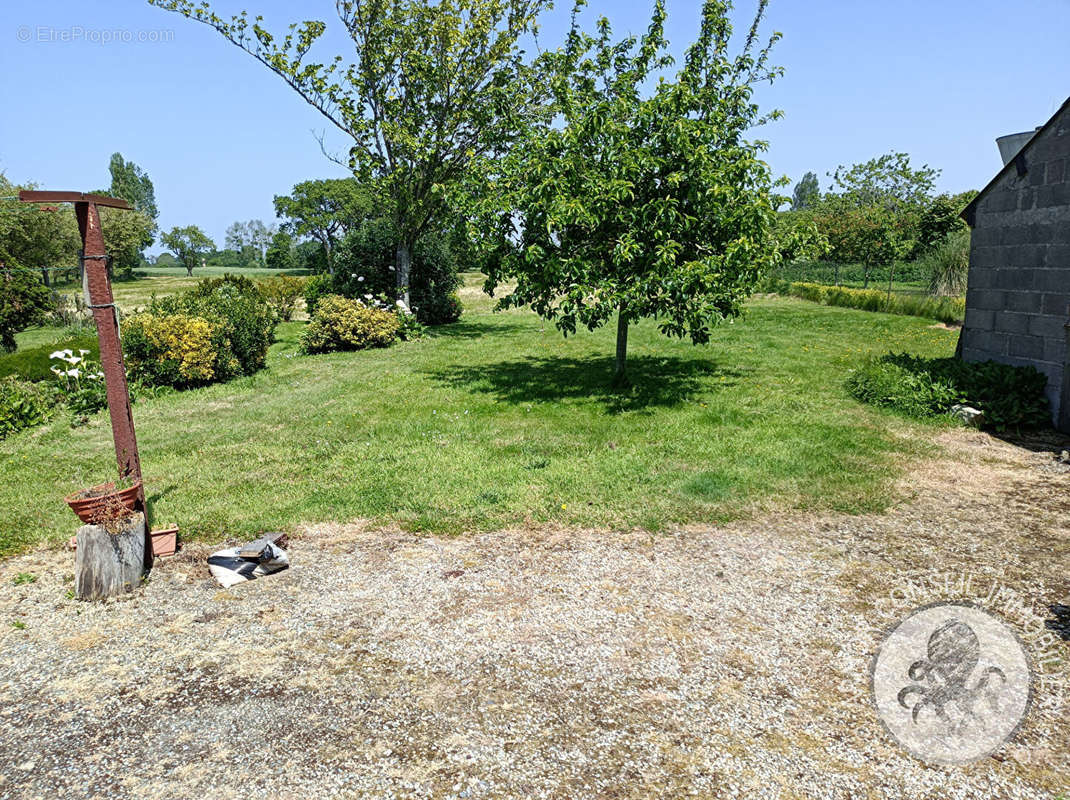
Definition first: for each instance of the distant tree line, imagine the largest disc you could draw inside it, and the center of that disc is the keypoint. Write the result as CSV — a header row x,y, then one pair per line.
x,y
874,213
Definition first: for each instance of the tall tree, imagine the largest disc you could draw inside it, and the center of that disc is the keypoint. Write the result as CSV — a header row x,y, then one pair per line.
x,y
641,206
37,237
132,184
236,237
873,210
889,181
325,210
260,238
280,255
807,193
189,244
126,235
432,87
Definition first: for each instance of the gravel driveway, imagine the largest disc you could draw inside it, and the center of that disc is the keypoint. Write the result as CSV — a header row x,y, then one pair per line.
x,y
726,662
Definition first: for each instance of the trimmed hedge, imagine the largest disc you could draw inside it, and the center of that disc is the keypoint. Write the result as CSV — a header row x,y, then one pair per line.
x,y
1010,397
951,310
344,324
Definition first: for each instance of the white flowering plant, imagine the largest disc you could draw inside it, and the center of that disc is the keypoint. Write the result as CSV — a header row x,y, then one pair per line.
x,y
80,381
409,328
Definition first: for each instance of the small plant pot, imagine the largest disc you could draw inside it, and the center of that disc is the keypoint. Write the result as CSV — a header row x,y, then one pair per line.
x,y
164,541
89,504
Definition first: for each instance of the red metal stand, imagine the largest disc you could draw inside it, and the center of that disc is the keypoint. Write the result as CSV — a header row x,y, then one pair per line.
x,y
106,317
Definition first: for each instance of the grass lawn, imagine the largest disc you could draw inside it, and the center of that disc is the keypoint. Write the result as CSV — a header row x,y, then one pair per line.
x,y
497,421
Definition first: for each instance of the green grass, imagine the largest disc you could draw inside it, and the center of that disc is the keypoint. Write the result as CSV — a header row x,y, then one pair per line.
x,y
499,421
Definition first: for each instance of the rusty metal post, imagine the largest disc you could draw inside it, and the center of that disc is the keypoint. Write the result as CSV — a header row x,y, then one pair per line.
x,y
106,317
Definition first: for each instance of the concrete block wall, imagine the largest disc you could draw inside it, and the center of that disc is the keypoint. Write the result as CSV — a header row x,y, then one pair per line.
x,y
1018,292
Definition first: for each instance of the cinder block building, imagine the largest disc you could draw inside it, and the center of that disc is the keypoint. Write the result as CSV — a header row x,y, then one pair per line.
x,y
1018,290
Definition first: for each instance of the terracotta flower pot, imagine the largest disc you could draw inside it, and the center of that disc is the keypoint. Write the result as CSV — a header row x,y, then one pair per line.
x,y
89,504
165,541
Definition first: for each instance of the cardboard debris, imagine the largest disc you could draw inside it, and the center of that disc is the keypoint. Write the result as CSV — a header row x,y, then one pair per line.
x,y
250,561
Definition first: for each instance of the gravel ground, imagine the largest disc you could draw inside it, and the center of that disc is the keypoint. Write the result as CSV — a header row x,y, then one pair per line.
x,y
730,662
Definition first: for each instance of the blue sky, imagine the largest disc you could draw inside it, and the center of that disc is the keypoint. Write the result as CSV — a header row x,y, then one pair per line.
x,y
220,135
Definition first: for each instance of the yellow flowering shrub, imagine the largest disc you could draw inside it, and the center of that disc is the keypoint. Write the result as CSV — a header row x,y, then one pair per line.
x,y
170,349
343,324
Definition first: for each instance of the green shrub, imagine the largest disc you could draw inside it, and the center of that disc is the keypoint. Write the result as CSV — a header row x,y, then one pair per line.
x,y
86,397
315,288
23,404
341,323
79,382
176,350
24,300
947,265
409,327
282,293
886,383
243,320
1010,397
364,268
33,363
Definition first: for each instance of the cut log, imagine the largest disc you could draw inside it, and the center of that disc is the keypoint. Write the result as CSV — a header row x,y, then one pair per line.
x,y
106,563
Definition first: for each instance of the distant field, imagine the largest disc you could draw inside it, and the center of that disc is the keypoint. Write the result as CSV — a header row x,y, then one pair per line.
x,y
212,272
162,281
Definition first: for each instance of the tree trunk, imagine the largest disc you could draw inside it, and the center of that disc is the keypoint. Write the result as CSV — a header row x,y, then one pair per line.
x,y
109,563
44,277
403,265
836,275
865,282
622,345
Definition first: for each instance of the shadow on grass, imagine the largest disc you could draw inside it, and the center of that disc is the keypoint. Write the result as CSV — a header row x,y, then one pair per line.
x,y
465,329
653,381
1047,440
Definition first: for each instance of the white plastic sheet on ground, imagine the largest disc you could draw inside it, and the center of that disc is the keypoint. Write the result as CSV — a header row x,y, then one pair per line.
x,y
229,568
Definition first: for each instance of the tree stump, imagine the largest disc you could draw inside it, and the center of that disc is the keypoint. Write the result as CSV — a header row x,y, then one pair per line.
x,y
108,563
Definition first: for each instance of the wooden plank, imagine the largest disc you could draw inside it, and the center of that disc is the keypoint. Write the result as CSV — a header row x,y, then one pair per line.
x,y
35,196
